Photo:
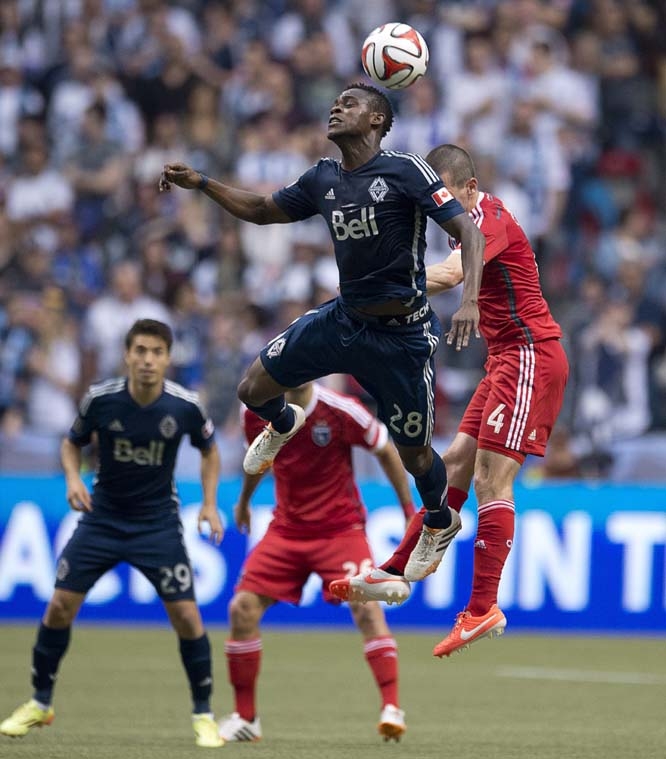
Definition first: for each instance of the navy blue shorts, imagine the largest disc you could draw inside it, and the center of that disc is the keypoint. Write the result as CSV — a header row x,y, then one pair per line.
x,y
155,548
395,364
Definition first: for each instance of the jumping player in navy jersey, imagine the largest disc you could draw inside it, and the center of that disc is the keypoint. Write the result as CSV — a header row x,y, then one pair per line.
x,y
132,516
380,329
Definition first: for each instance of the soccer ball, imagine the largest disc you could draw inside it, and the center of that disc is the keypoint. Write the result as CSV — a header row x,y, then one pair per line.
x,y
394,55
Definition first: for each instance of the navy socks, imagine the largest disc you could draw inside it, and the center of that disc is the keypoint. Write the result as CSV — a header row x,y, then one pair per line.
x,y
277,412
47,652
196,658
432,487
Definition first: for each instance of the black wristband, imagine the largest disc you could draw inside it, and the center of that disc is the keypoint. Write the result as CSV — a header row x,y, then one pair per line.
x,y
203,182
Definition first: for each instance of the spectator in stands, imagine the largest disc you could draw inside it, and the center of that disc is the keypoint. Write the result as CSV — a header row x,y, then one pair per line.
x,y
97,171
110,316
479,102
424,122
39,195
55,365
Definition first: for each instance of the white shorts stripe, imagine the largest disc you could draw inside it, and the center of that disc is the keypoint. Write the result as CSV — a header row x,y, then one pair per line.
x,y
523,397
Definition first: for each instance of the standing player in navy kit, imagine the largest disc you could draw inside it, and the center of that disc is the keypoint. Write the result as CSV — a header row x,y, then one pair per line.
x,y
380,329
132,516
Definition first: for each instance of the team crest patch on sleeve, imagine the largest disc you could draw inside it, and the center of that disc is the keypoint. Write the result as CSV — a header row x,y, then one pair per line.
x,y
168,426
441,196
321,434
62,570
208,429
378,189
276,349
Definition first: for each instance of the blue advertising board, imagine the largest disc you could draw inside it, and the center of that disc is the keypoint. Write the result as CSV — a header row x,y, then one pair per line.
x,y
585,558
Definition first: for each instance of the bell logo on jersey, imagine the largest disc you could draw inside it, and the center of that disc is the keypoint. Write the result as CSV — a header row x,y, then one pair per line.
x,y
357,229
441,196
125,452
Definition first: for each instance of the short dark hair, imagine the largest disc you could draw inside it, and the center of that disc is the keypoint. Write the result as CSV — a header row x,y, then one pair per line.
x,y
149,327
378,102
455,161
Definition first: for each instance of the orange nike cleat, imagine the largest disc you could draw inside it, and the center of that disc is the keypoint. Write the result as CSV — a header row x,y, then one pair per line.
x,y
469,629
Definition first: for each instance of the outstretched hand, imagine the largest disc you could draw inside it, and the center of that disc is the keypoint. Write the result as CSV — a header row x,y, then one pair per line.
x,y
464,323
210,514
243,517
179,174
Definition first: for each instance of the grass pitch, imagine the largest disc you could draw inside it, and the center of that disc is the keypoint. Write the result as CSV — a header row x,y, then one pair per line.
x,y
122,693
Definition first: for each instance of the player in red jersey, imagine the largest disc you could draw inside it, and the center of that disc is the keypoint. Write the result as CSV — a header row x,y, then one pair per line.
x,y
315,496
510,415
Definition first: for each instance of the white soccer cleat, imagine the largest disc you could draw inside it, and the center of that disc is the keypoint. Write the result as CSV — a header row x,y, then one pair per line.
x,y
266,446
375,585
234,728
391,723
428,552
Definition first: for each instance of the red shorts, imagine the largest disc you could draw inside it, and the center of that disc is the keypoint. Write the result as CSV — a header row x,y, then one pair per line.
x,y
516,404
278,567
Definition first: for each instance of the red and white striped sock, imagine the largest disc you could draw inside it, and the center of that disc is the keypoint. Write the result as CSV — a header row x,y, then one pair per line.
x,y
243,663
494,538
382,657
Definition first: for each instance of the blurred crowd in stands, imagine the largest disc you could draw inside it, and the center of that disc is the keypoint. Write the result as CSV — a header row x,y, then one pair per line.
x,y
562,104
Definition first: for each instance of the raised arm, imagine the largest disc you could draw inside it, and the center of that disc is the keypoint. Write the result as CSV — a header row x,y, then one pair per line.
x,y
465,321
248,206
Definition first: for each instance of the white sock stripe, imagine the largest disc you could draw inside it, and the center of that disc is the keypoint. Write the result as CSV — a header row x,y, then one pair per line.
x,y
242,646
378,643
493,505
506,501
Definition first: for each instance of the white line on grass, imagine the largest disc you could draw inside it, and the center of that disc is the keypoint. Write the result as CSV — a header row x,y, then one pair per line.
x,y
581,676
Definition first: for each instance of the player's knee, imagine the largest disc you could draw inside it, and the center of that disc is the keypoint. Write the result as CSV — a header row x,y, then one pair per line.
x,y
417,461
244,613
60,611
369,618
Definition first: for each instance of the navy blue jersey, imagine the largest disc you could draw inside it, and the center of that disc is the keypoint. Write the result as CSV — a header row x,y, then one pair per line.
x,y
377,218
138,445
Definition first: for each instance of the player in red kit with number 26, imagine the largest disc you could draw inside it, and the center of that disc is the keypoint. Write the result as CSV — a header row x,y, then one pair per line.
x,y
510,415
318,526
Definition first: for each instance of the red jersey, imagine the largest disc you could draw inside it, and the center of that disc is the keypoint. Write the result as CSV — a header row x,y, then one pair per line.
x,y
513,309
314,478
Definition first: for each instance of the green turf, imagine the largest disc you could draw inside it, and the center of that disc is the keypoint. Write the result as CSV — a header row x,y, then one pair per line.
x,y
122,694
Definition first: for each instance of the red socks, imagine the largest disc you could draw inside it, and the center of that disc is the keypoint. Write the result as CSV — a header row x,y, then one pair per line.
x,y
398,561
243,663
494,537
382,657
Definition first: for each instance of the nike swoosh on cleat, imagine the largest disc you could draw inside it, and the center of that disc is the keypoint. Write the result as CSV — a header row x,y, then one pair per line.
x,y
467,634
371,581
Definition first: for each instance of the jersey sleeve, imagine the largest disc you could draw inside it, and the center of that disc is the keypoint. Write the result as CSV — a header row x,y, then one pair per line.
x,y
200,427
495,232
296,199
493,227
363,429
428,190
85,423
